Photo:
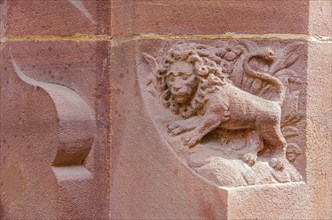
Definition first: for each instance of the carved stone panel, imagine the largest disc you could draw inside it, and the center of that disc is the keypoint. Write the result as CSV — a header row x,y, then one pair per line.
x,y
53,130
231,110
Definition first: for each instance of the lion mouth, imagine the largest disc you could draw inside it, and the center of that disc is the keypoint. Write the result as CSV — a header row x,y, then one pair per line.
x,y
181,98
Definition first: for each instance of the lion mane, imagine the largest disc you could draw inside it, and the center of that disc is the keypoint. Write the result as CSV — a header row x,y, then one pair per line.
x,y
207,68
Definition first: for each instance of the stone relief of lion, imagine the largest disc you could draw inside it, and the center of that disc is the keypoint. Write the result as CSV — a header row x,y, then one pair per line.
x,y
191,82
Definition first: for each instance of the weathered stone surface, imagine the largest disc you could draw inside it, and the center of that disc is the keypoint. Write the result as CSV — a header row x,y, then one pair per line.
x,y
221,85
150,157
52,17
45,135
319,125
209,17
319,174
146,175
152,160
287,201
320,12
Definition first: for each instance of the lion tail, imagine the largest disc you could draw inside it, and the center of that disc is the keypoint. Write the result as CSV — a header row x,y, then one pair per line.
x,y
281,91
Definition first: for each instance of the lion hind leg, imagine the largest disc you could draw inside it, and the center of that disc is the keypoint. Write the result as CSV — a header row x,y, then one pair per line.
x,y
272,134
253,146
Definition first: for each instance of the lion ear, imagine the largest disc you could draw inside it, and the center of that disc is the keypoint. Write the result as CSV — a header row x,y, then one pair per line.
x,y
152,62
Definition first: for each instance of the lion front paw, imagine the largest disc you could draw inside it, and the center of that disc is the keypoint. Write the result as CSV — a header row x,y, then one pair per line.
x,y
190,140
277,163
176,129
249,159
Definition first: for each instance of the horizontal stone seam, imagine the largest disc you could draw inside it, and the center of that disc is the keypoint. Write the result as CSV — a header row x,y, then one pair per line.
x,y
227,36
119,39
75,38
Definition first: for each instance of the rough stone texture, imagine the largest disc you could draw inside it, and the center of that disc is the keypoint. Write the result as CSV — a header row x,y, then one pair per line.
x,y
29,125
294,201
284,201
319,100
320,17
132,170
144,171
234,154
319,172
58,18
209,17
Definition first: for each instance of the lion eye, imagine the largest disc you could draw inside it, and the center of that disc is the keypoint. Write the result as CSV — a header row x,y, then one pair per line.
x,y
185,77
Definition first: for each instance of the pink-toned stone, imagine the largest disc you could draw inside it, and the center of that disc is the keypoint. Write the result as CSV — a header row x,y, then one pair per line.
x,y
52,17
320,12
209,159
146,175
319,175
319,139
151,162
35,124
135,168
28,144
282,201
209,17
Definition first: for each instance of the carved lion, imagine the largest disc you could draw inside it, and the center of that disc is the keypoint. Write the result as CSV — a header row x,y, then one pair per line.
x,y
191,82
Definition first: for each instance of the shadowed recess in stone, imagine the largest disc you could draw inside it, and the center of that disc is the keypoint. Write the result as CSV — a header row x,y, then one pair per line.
x,y
75,118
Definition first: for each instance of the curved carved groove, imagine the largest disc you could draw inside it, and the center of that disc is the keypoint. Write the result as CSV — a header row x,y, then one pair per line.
x,y
76,121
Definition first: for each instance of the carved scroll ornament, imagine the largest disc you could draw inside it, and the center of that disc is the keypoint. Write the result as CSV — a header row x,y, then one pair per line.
x,y
76,122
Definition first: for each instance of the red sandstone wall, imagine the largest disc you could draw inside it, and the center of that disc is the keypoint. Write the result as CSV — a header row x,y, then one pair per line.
x,y
96,50
151,179
53,42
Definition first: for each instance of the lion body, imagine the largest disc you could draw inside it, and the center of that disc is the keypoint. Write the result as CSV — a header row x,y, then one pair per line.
x,y
231,108
191,82
246,111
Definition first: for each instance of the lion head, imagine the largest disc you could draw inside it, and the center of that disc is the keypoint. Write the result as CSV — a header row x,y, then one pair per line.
x,y
181,81
187,74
